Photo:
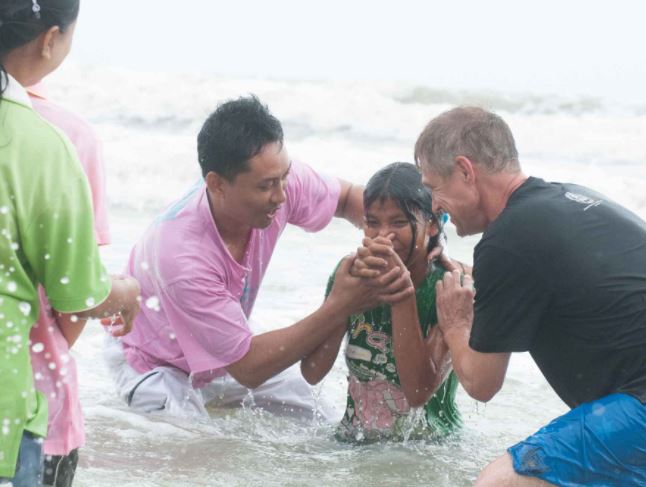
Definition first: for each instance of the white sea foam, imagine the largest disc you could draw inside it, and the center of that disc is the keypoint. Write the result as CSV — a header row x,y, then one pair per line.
x,y
149,122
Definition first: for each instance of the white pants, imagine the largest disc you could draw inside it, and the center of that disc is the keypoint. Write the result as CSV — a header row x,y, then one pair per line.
x,y
170,389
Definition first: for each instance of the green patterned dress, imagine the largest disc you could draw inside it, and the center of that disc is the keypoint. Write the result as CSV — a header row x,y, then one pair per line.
x,y
376,406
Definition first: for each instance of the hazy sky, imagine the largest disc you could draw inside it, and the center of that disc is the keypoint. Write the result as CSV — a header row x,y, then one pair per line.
x,y
567,46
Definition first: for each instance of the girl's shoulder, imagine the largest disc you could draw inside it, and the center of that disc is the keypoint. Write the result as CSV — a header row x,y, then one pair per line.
x,y
435,272
27,132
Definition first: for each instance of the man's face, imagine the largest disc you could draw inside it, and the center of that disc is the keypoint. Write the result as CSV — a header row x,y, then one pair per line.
x,y
254,196
456,196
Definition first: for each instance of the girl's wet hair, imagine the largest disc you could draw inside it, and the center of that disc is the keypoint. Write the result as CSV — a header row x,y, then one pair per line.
x,y
401,183
22,21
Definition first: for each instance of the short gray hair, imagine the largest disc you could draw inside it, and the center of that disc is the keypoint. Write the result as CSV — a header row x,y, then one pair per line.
x,y
471,132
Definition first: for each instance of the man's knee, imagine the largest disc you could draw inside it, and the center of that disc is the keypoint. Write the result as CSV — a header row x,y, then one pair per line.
x,y
500,473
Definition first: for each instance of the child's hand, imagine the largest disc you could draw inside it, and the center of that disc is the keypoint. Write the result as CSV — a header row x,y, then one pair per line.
x,y
352,295
371,260
121,324
379,267
114,325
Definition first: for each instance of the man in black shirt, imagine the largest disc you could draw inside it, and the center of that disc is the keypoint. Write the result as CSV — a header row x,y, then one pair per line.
x,y
560,272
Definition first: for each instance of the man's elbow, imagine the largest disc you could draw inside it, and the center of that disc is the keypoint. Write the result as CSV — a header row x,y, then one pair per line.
x,y
483,392
417,401
245,377
310,373
311,379
249,382
418,397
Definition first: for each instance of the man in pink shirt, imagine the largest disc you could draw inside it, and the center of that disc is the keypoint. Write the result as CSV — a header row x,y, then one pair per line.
x,y
201,264
53,365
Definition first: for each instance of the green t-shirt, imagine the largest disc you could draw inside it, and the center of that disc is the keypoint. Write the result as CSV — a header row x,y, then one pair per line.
x,y
376,406
46,237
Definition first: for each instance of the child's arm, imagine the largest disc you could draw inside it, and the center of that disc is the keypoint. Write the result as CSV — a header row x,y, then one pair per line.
x,y
440,355
122,302
316,365
418,375
71,327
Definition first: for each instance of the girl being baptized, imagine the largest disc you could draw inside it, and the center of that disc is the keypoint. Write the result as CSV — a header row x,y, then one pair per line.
x,y
400,383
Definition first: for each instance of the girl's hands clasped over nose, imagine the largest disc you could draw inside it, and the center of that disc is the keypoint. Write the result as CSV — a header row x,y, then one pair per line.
x,y
380,267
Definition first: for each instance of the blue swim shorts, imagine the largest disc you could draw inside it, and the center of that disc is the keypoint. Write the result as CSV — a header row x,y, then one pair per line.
x,y
599,443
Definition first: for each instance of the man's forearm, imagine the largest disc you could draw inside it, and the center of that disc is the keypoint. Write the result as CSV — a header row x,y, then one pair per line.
x,y
350,204
316,365
272,352
458,342
481,374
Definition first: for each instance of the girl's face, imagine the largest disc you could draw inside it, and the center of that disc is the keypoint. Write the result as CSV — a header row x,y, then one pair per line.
x,y
385,218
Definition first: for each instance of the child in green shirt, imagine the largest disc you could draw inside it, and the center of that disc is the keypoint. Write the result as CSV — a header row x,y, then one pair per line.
x,y
400,383
46,227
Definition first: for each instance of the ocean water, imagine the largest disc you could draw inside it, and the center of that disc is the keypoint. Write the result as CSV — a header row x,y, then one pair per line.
x,y
148,123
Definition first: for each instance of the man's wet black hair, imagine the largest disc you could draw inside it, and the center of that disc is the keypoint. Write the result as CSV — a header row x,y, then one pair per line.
x,y
234,133
401,182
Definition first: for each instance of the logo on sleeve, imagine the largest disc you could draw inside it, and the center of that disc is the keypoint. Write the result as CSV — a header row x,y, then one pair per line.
x,y
583,199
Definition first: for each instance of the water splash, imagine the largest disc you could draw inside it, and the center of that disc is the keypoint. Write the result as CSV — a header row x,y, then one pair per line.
x,y
153,303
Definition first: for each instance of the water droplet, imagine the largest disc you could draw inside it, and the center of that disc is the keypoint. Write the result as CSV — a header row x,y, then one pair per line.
x,y
65,280
4,210
172,336
89,301
145,266
153,303
14,246
51,365
12,286
69,240
47,256
38,347
74,318
25,308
